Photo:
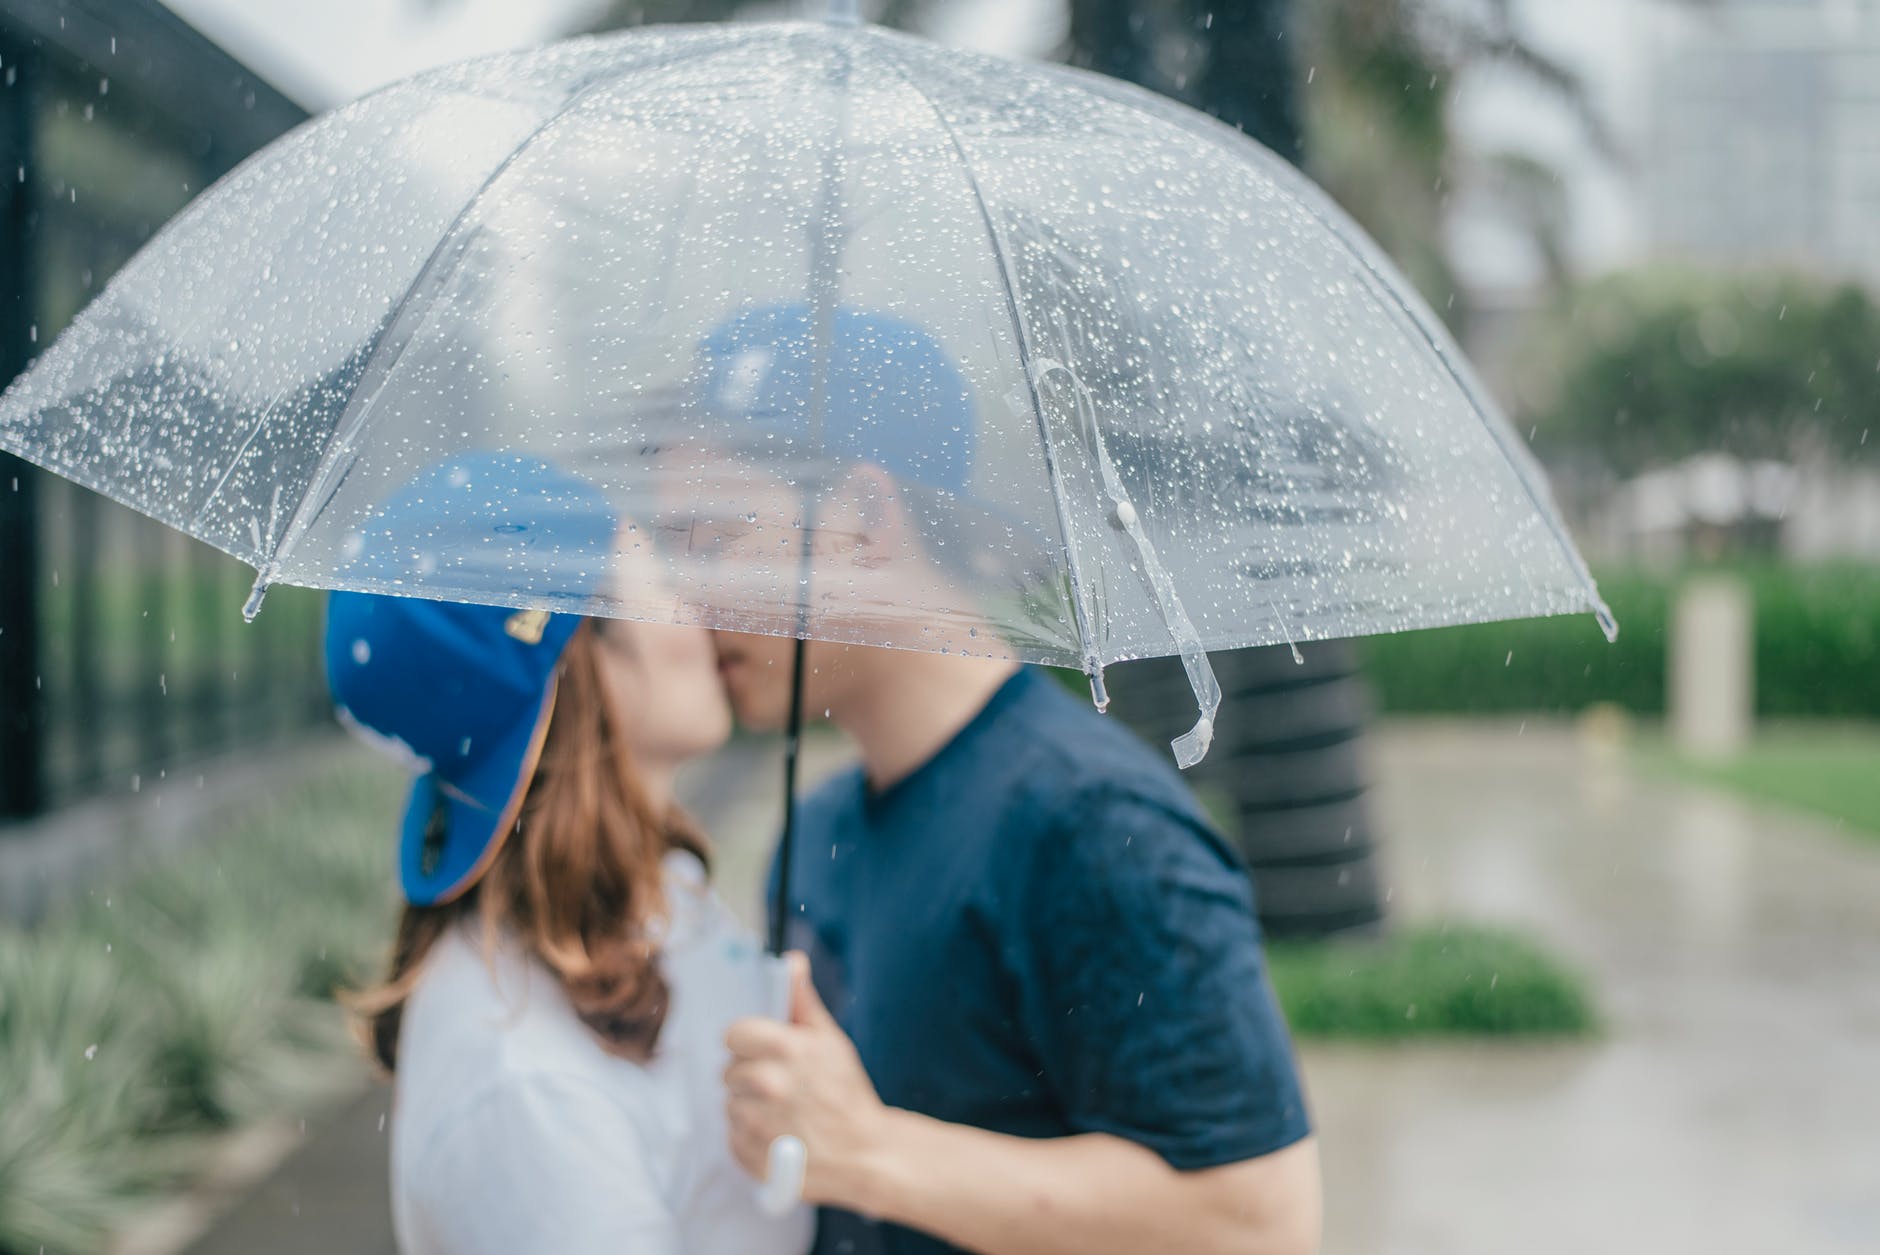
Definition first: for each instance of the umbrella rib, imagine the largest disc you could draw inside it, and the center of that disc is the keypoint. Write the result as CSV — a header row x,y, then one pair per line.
x,y
379,365
1315,202
1086,632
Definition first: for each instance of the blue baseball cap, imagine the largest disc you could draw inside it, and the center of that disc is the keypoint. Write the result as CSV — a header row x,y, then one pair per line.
x,y
463,693
895,399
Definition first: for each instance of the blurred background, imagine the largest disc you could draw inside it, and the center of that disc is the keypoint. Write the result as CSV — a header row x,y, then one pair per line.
x,y
1580,940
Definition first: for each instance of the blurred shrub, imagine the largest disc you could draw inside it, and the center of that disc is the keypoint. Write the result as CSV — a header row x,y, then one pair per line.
x,y
185,998
1428,980
1817,651
75,1067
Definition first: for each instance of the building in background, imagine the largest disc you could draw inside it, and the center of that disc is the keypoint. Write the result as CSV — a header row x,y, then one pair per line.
x,y
122,652
1763,140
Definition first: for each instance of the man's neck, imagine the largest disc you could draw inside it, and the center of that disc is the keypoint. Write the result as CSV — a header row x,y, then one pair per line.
x,y
909,705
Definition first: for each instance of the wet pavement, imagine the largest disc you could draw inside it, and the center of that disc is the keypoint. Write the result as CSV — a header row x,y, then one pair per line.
x,y
1733,1104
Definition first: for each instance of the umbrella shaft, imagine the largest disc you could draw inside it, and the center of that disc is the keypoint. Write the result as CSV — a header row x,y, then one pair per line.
x,y
780,902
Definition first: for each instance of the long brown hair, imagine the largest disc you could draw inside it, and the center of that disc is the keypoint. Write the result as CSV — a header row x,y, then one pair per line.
x,y
577,882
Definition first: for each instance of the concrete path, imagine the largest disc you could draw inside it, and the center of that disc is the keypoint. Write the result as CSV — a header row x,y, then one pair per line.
x,y
332,1194
1735,1103
1733,1107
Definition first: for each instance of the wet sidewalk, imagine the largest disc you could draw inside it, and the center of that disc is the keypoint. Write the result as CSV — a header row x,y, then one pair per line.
x,y
1733,1106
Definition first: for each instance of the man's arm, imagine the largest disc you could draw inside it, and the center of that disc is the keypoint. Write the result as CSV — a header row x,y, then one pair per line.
x,y
1089,1194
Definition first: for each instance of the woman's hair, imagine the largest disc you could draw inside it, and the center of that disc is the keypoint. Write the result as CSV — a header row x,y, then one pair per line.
x,y
577,883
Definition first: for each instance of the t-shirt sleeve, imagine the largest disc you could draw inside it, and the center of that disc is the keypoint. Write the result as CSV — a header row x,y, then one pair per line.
x,y
1143,987
539,1164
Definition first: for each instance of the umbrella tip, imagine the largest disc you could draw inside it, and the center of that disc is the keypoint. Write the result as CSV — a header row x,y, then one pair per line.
x,y
1099,695
256,595
1607,624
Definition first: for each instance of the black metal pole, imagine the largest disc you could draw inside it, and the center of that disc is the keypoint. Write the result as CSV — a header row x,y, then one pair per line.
x,y
780,905
22,705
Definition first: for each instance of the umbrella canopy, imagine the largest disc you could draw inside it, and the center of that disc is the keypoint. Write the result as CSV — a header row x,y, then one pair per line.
x,y
875,342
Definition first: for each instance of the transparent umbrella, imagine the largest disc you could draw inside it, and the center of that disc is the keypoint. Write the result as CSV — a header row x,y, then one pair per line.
x,y
873,341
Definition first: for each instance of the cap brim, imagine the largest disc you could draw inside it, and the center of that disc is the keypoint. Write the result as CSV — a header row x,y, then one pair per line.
x,y
479,813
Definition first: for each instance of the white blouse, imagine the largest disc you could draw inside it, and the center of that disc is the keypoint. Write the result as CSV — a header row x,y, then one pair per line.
x,y
514,1131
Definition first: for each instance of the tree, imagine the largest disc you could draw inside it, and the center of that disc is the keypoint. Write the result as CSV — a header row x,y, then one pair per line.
x,y
1647,368
1286,776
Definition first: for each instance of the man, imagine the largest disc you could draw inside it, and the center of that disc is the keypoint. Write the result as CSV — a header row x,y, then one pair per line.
x,y
1051,1026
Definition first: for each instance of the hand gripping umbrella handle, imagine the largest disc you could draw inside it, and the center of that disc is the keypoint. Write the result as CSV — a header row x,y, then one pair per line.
x,y
782,1187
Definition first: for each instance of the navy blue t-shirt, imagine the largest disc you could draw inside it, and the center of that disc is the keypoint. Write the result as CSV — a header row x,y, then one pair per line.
x,y
1038,933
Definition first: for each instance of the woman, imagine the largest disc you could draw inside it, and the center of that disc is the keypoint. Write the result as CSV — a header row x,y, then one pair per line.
x,y
563,974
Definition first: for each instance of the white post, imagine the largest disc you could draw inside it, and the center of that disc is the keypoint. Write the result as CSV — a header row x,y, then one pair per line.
x,y
1712,670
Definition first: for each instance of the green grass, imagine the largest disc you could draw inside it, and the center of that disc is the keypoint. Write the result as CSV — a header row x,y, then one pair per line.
x,y
1429,980
188,997
1831,770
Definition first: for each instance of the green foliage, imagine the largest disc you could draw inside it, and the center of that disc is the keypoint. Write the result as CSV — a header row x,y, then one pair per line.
x,y
1653,366
1429,980
187,998
75,1057
1817,651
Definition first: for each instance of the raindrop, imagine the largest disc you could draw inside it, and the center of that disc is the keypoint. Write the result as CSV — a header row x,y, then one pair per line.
x,y
91,1052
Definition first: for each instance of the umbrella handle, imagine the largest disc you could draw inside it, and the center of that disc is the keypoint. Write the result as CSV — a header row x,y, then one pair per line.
x,y
788,1160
